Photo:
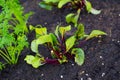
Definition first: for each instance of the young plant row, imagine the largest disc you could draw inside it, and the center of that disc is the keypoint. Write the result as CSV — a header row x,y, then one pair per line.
x,y
14,30
61,48
77,5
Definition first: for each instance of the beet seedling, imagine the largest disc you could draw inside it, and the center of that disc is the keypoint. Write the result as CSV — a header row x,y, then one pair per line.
x,y
61,48
75,4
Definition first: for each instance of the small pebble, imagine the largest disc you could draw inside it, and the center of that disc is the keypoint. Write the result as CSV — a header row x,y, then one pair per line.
x,y
119,14
103,74
99,36
99,41
103,64
72,64
51,51
113,39
118,41
89,78
81,78
101,57
61,76
86,74
42,74
45,23
82,72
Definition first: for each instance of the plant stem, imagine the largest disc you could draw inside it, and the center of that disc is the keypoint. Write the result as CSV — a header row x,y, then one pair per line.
x,y
5,57
52,61
82,43
6,51
57,54
62,45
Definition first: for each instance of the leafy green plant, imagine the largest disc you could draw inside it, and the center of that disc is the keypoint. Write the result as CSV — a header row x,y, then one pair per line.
x,y
2,66
13,30
76,4
61,48
73,18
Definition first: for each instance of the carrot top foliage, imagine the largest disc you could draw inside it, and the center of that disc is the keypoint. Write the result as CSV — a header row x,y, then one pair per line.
x,y
13,30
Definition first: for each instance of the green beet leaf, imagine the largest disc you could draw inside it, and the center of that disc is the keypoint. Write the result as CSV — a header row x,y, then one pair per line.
x,y
70,43
73,17
54,39
44,39
35,61
63,2
90,9
88,6
63,30
63,60
69,17
31,27
51,1
34,46
41,31
57,31
95,33
79,55
29,59
80,33
45,6
75,20
95,12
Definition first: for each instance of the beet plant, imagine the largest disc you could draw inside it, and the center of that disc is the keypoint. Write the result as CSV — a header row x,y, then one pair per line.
x,y
61,47
13,31
75,4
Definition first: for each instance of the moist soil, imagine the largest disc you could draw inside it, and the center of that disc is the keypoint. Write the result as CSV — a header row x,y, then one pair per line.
x,y
102,55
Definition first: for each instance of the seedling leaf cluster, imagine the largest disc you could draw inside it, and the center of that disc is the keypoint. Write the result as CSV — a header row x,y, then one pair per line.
x,y
61,48
75,4
13,31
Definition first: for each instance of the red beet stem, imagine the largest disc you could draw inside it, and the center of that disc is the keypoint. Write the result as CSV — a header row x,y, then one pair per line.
x,y
52,61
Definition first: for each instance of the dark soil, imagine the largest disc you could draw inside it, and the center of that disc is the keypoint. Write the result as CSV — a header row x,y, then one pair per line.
x,y
102,60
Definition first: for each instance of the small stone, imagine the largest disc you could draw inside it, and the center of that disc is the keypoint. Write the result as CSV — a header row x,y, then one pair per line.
x,y
113,39
72,64
99,41
81,78
89,78
99,36
101,57
61,76
45,23
118,41
103,64
119,14
42,74
103,74
51,51
86,74
82,72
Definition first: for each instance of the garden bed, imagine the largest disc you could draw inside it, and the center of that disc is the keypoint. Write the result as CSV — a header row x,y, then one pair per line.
x,y
102,55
